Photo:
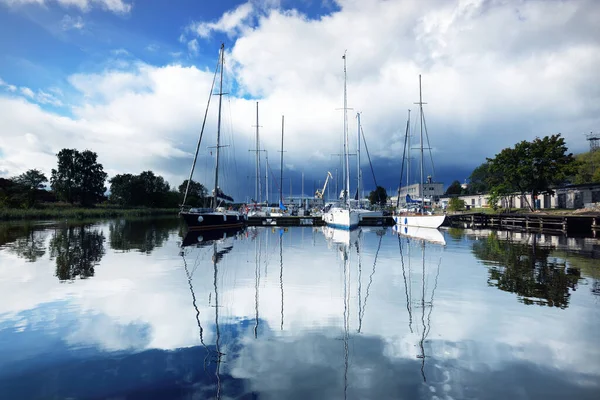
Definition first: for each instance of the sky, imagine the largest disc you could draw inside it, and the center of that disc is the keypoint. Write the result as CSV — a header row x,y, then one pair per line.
x,y
130,81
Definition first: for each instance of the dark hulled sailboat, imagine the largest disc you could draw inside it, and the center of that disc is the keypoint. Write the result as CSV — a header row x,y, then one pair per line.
x,y
215,217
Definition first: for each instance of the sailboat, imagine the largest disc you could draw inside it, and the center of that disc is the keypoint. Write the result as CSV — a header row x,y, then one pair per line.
x,y
343,216
215,217
419,219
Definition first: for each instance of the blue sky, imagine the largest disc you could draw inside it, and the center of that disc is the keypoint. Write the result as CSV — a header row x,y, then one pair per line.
x,y
130,79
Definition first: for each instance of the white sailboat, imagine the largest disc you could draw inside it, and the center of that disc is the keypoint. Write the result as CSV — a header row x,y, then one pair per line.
x,y
343,216
419,219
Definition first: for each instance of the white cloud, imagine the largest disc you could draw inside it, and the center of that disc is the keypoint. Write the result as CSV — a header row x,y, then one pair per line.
x,y
116,6
69,22
27,92
493,75
152,47
193,47
230,22
6,86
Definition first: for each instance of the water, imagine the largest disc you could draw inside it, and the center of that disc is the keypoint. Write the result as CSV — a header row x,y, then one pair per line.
x,y
116,310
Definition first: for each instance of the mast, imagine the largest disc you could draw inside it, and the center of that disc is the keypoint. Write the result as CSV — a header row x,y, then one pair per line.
x,y
219,128
281,167
421,146
346,159
358,174
258,187
267,177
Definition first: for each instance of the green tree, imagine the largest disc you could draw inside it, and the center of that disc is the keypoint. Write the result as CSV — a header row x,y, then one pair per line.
x,y
79,177
531,168
478,181
197,194
454,188
91,178
378,196
588,167
31,181
145,189
456,204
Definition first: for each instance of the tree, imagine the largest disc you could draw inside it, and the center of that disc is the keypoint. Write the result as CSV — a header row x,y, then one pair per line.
x,y
31,181
145,189
454,188
91,178
588,167
478,179
197,194
456,204
378,196
531,167
78,177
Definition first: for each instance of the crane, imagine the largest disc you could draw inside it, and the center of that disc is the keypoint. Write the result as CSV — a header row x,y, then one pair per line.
x,y
319,193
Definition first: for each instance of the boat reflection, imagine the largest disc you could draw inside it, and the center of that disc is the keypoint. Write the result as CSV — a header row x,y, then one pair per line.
x,y
221,242
428,234
206,238
408,238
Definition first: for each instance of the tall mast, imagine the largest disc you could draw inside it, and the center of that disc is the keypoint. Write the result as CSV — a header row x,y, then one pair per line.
x,y
258,187
421,148
219,128
266,177
358,160
281,167
346,159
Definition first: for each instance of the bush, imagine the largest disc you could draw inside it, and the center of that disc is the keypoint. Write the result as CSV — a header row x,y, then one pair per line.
x,y
456,204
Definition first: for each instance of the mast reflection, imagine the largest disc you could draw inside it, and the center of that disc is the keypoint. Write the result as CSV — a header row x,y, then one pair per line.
x,y
425,237
203,239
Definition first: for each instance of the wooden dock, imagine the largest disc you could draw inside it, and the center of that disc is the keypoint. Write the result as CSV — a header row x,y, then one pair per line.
x,y
563,224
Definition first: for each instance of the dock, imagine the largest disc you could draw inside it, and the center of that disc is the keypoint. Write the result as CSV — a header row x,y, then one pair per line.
x,y
561,224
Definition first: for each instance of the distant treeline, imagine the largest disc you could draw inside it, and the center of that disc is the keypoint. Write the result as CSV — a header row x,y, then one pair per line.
x,y
79,180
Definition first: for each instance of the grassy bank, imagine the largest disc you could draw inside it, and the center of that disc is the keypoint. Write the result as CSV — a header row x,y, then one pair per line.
x,y
78,213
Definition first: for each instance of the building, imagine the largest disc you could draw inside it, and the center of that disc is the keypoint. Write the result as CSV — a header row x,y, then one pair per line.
x,y
568,197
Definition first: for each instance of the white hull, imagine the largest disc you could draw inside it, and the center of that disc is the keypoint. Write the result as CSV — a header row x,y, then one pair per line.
x,y
427,234
340,236
341,218
422,221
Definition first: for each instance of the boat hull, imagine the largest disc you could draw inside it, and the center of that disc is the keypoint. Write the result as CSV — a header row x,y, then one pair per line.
x,y
422,221
213,220
341,218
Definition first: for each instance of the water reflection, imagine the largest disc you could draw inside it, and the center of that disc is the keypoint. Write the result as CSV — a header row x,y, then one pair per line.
x,y
24,241
290,313
409,237
77,250
524,267
143,235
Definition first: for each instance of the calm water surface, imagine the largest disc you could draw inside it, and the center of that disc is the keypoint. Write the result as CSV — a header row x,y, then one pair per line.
x,y
118,309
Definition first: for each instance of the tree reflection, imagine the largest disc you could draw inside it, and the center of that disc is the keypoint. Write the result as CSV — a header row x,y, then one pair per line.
x,y
77,250
143,235
24,241
524,269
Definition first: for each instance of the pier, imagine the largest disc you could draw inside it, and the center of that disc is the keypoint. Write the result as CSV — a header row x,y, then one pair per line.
x,y
563,224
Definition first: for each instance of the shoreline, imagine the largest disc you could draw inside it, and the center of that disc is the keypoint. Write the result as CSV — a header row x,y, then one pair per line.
x,y
78,213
